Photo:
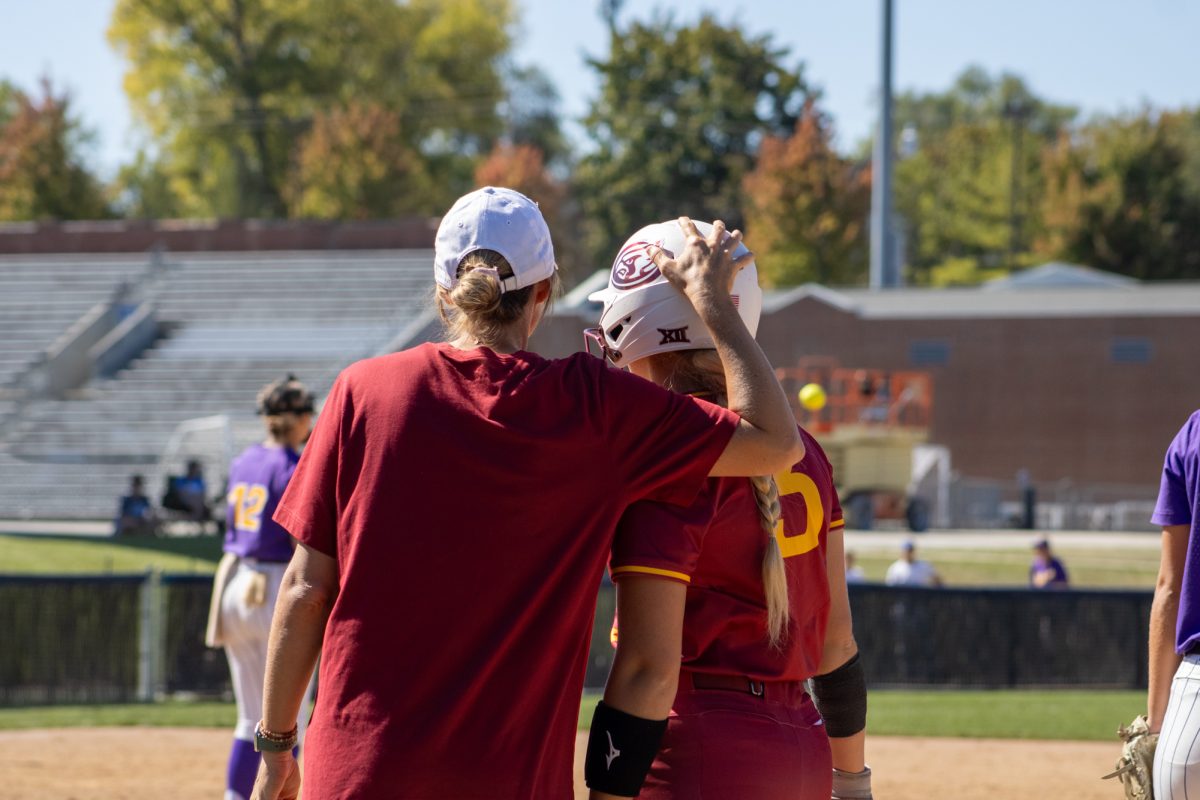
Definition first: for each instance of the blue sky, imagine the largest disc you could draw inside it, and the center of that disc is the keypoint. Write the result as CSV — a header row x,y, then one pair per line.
x,y
1103,56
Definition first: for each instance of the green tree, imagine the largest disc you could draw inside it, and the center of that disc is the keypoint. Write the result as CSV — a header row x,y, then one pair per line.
x,y
807,208
354,164
226,88
677,123
968,183
145,189
42,171
531,115
1122,196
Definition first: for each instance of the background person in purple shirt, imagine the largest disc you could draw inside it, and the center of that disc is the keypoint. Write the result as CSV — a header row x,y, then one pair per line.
x,y
1172,707
1046,571
257,551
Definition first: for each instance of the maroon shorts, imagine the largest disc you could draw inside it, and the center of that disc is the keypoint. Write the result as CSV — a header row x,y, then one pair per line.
x,y
753,743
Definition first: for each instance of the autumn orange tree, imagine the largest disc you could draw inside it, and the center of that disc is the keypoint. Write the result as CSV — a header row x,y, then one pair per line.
x,y
522,167
807,207
42,171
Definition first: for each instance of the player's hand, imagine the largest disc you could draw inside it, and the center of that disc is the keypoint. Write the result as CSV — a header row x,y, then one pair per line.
x,y
278,778
706,268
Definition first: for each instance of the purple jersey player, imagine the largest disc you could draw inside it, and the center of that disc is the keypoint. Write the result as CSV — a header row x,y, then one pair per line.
x,y
257,551
257,479
1172,706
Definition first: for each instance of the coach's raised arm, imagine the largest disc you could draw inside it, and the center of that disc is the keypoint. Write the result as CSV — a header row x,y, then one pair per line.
x,y
766,440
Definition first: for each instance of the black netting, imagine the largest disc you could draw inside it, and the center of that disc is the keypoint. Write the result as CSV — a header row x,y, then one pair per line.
x,y
68,640
1001,637
77,639
190,666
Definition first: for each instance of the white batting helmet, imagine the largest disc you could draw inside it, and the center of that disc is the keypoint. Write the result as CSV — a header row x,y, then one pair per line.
x,y
644,315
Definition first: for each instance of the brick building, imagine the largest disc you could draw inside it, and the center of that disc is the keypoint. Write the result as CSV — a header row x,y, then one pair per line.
x,y
1065,372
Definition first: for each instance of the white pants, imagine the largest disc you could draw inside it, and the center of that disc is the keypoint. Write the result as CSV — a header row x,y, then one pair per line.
x,y
245,628
1177,758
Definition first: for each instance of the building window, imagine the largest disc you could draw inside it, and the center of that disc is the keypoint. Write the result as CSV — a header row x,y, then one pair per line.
x,y
929,352
1127,350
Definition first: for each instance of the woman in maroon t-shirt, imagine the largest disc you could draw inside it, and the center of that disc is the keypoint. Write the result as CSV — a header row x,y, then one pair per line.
x,y
454,509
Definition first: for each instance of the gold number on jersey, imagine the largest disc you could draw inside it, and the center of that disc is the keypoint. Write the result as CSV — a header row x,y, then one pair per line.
x,y
798,544
248,500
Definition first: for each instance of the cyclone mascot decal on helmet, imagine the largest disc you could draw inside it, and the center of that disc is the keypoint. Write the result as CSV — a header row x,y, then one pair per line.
x,y
644,315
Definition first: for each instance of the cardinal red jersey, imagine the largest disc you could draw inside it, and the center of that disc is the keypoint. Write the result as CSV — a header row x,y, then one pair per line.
x,y
470,500
716,547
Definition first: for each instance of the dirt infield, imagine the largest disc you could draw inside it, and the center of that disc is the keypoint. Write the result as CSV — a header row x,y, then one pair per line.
x,y
189,764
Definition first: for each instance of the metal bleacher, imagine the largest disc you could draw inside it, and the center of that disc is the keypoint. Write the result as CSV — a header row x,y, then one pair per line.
x,y
229,324
41,297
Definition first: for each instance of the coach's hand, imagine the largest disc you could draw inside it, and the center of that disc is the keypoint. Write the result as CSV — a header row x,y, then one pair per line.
x,y
278,778
706,268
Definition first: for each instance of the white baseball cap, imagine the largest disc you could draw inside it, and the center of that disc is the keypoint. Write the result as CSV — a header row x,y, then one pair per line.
x,y
503,220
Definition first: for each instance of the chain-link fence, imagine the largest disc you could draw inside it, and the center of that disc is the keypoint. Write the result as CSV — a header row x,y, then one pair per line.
x,y
1002,637
70,640
110,639
1062,505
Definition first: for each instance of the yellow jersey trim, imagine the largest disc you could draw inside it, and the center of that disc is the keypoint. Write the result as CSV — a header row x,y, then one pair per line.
x,y
666,573
837,523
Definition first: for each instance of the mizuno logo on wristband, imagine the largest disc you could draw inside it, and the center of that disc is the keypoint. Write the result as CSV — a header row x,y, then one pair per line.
x,y
612,751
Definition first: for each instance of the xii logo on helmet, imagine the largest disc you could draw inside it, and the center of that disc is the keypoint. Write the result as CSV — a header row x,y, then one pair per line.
x,y
674,335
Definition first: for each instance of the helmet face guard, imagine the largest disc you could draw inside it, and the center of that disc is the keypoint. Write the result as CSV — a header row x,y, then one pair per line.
x,y
644,315
595,337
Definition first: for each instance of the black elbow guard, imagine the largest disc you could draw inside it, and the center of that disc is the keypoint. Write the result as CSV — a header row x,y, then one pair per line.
x,y
841,697
621,748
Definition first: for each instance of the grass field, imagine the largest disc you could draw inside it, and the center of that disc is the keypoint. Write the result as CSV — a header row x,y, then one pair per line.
x,y
199,554
61,554
1087,567
1068,714
167,714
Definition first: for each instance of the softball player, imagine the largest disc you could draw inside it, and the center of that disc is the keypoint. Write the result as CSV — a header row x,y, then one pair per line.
x,y
455,508
747,584
1173,707
257,551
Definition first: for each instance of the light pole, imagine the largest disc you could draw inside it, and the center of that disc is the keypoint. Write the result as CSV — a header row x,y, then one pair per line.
x,y
885,272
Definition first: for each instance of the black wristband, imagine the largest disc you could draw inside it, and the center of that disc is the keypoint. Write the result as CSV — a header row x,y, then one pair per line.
x,y
841,697
621,748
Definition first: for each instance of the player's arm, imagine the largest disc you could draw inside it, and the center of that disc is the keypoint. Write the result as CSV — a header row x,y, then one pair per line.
x,y
1164,611
306,596
641,686
766,440
839,688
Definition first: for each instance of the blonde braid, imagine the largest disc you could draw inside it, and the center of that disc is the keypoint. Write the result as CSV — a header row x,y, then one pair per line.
x,y
774,574
701,370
